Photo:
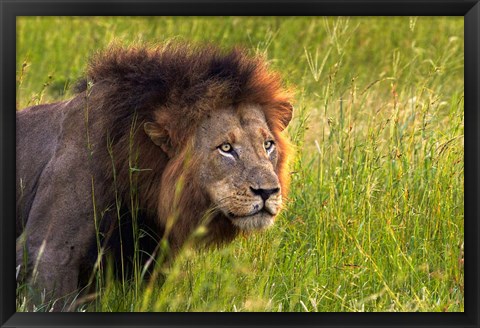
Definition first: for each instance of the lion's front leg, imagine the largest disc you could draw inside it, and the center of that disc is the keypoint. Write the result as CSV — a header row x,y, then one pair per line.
x,y
51,261
53,277
59,232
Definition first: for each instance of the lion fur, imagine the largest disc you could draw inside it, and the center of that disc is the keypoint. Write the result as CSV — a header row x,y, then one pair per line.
x,y
92,147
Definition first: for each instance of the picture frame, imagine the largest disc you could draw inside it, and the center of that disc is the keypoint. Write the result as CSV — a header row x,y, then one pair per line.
x,y
11,9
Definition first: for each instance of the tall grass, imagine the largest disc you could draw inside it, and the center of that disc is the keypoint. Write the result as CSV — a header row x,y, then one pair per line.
x,y
374,220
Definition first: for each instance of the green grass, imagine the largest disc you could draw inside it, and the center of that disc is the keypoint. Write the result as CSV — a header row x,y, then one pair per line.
x,y
375,217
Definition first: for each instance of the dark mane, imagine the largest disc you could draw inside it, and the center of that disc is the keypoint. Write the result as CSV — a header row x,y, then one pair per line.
x,y
187,80
174,85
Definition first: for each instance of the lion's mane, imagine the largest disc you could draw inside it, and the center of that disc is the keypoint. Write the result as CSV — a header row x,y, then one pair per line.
x,y
176,84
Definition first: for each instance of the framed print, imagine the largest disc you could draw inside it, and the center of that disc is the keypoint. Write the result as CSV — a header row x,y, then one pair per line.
x,y
239,164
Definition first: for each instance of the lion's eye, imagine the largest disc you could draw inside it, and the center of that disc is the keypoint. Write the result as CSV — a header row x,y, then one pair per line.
x,y
268,145
226,147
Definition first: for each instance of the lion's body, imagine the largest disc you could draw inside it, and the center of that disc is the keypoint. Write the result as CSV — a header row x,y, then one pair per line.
x,y
50,198
164,138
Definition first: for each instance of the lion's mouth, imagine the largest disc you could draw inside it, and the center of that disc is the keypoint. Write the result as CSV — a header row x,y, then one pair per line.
x,y
255,221
262,211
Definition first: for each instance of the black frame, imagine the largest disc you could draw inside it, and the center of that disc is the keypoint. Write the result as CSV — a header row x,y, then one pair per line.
x,y
9,9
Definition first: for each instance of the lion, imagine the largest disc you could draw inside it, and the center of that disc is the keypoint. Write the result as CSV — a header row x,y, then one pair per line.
x,y
157,139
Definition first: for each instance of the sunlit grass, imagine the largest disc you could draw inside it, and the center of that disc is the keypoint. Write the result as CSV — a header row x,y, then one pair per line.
x,y
375,216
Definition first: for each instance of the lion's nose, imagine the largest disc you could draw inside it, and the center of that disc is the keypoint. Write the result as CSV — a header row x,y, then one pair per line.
x,y
265,193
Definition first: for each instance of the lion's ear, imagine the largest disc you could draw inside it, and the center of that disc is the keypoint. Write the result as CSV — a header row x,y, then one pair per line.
x,y
159,137
286,114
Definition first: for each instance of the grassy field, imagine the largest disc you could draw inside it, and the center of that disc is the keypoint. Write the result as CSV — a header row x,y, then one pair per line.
x,y
375,217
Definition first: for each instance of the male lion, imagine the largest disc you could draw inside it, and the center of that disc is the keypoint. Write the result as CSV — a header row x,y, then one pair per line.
x,y
158,141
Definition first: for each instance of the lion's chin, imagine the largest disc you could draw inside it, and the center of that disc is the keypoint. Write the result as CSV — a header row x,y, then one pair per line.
x,y
258,221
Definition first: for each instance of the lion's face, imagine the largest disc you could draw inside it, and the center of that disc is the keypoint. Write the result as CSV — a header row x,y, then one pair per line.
x,y
239,166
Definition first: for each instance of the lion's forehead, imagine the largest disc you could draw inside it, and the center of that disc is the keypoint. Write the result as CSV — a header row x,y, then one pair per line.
x,y
247,122
251,114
